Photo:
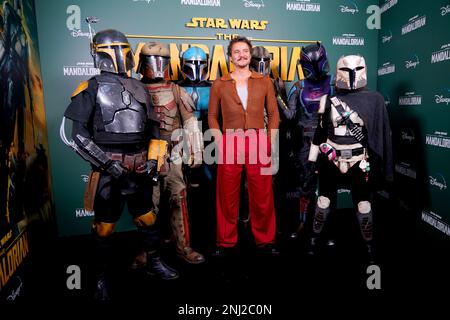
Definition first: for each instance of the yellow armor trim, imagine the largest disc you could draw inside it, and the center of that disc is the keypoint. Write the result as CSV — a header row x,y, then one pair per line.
x,y
106,45
81,87
157,150
104,229
281,99
145,220
112,53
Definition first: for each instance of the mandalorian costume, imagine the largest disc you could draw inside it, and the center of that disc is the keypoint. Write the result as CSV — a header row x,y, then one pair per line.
x,y
353,129
301,119
260,63
195,67
178,126
116,130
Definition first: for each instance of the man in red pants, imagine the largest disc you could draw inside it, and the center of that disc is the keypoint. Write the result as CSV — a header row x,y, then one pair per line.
x,y
241,98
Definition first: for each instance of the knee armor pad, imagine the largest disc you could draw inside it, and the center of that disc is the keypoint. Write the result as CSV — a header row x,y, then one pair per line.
x,y
145,220
103,229
323,202
364,207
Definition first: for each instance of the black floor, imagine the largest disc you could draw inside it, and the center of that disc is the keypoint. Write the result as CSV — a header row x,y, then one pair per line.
x,y
413,260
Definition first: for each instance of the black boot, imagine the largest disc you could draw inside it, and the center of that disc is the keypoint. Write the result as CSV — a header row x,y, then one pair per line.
x,y
312,248
101,289
102,262
267,250
370,253
365,221
320,218
154,265
157,268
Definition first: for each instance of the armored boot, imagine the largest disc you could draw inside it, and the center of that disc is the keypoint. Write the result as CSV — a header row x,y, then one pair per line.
x,y
102,260
365,220
180,227
320,218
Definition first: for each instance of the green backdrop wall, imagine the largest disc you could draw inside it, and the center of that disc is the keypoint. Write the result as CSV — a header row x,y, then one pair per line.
x,y
287,25
413,75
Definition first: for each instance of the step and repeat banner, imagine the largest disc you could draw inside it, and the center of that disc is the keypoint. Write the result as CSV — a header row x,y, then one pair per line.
x,y
413,75
282,26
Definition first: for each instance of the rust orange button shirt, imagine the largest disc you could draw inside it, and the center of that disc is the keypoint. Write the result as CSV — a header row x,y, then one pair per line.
x,y
224,101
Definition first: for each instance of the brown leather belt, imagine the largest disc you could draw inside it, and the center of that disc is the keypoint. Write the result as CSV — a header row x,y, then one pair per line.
x,y
130,161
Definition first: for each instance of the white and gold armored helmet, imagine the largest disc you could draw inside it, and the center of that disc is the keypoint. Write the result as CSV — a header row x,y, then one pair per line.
x,y
154,60
351,72
112,51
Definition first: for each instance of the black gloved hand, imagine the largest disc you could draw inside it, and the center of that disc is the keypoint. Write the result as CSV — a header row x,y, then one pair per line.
x,y
149,167
116,169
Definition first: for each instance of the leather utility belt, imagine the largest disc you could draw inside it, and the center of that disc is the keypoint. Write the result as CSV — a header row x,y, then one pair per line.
x,y
130,161
348,153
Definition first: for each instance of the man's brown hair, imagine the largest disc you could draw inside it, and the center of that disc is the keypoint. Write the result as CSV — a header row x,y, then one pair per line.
x,y
238,39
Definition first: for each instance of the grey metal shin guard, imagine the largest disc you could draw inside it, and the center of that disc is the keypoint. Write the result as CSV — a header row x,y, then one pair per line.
x,y
321,214
365,220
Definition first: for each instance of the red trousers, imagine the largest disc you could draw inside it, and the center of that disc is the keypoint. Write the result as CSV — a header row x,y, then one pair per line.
x,y
249,149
